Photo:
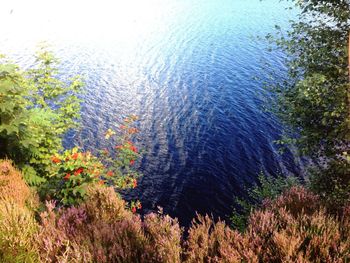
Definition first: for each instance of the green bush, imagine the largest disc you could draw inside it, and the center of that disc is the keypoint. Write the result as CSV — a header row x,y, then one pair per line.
x,y
36,110
73,171
332,183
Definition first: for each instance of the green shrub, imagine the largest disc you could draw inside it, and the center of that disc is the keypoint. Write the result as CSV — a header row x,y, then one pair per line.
x,y
36,110
120,160
314,101
332,183
73,171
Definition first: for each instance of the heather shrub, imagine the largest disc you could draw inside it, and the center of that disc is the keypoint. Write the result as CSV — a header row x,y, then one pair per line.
x,y
114,233
345,219
261,226
280,237
12,186
17,233
267,187
296,228
297,200
216,242
103,204
164,235
55,236
120,241
198,240
275,238
322,238
102,230
17,223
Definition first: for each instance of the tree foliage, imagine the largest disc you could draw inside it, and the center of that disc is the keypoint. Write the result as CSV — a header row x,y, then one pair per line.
x,y
314,101
36,110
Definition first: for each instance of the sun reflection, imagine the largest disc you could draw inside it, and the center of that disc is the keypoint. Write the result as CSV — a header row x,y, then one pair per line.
x,y
63,19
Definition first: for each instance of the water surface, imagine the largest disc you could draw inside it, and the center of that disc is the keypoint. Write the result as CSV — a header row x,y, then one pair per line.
x,y
187,68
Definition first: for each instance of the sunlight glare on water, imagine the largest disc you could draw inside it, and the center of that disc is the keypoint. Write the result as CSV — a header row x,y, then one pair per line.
x,y
40,20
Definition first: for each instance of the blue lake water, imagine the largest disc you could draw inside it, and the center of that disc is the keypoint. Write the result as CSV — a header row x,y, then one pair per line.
x,y
187,68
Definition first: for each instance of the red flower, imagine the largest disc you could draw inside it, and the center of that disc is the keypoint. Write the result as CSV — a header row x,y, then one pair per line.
x,y
133,130
133,209
75,156
55,159
66,177
79,171
101,182
134,149
123,127
110,173
134,183
132,162
118,147
129,142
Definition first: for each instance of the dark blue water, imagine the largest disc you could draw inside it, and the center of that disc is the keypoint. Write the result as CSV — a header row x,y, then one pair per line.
x,y
187,68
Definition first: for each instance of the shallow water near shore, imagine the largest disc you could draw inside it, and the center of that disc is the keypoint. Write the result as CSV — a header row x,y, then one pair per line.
x,y
187,69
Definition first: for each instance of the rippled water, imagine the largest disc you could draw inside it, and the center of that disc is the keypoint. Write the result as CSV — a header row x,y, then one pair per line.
x,y
187,68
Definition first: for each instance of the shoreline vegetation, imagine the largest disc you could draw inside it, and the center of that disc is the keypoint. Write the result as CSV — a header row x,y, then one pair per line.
x,y
63,205
295,227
